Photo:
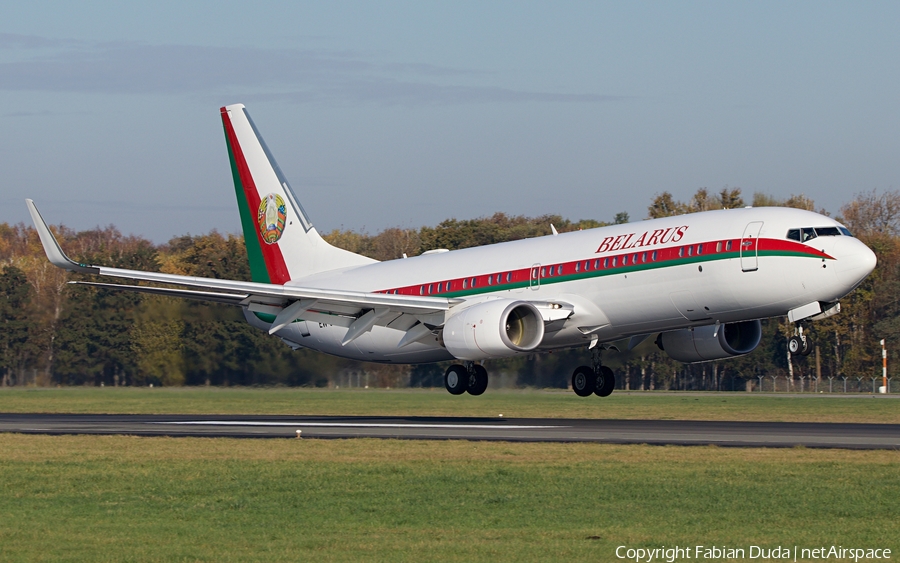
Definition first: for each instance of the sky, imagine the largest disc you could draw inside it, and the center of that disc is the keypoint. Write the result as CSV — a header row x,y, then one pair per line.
x,y
403,114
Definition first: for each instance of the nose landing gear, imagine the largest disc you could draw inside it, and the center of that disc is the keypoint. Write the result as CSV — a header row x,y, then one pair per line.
x,y
799,343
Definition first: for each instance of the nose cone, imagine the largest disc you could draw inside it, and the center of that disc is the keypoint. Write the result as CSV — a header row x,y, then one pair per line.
x,y
854,261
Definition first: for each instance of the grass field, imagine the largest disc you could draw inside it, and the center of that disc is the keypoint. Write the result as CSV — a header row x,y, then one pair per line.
x,y
79,498
437,402
121,498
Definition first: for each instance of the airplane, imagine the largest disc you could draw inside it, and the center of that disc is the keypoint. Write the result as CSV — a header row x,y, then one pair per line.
x,y
701,282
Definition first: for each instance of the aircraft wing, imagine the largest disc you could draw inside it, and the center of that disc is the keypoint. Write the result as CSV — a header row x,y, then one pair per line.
x,y
356,310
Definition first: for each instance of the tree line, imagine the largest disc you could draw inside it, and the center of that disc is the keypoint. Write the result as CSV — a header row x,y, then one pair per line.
x,y
54,333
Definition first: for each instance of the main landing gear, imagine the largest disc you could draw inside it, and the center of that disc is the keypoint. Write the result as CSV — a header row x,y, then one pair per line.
x,y
800,343
470,377
597,379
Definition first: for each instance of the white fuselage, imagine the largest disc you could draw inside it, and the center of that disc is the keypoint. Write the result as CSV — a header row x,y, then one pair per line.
x,y
745,269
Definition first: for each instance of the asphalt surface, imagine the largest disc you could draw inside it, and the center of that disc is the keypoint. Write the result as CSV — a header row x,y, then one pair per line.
x,y
680,432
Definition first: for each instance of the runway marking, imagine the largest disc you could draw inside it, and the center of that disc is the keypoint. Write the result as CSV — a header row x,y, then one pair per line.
x,y
354,424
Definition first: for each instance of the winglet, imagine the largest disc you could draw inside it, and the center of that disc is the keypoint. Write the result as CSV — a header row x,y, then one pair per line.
x,y
54,253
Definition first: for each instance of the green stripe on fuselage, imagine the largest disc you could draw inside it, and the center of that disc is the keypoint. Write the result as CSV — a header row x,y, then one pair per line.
x,y
619,270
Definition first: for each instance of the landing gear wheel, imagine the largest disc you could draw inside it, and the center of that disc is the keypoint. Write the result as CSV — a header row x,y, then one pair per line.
x,y
583,381
806,348
478,380
456,379
795,345
606,382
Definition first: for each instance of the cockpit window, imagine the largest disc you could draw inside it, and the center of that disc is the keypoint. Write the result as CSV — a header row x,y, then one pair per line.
x,y
808,233
828,231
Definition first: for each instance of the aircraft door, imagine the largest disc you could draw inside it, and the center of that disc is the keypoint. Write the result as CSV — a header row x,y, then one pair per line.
x,y
535,277
750,247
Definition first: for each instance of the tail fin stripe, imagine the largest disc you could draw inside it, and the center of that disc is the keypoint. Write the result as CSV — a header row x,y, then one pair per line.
x,y
273,263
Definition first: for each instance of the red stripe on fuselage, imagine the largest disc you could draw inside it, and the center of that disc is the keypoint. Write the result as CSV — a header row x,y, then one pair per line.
x,y
275,264
778,245
609,263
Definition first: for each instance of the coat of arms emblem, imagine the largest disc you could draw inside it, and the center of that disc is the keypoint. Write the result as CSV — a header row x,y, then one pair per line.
x,y
271,218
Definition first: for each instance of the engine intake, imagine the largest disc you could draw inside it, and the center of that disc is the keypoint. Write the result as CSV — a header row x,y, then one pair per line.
x,y
701,344
494,329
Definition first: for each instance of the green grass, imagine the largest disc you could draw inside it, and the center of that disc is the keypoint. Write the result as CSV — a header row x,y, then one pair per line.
x,y
437,402
116,498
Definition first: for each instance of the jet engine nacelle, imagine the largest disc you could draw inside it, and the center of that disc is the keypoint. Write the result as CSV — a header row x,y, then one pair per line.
x,y
494,329
703,343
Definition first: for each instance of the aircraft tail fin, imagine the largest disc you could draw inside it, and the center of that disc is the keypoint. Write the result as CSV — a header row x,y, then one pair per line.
x,y
282,243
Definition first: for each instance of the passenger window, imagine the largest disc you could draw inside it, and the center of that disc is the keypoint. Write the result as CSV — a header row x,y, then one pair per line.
x,y
577,267
614,260
440,287
587,265
690,251
625,260
681,252
807,233
465,284
543,272
430,288
421,290
794,234
699,249
448,286
597,263
719,246
508,276
473,281
491,279
728,245
653,256
559,270
644,257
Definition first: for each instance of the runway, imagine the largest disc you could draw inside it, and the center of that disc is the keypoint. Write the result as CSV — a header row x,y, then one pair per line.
x,y
661,432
